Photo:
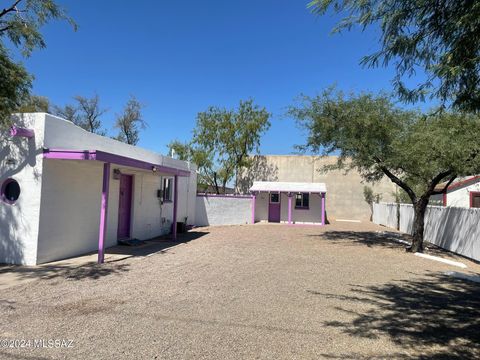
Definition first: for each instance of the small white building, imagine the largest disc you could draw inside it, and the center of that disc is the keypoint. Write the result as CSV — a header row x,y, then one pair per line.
x,y
464,192
67,192
288,202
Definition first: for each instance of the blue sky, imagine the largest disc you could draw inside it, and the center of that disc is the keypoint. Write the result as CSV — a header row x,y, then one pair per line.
x,y
179,57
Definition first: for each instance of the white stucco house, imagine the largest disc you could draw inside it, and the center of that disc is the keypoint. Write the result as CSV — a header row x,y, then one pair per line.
x,y
464,192
67,192
292,203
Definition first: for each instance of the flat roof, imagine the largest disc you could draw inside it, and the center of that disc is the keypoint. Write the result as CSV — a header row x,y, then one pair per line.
x,y
278,186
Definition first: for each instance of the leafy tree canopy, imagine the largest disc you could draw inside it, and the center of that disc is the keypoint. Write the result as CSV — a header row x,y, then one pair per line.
x,y
20,23
374,136
21,20
222,141
15,84
35,103
440,37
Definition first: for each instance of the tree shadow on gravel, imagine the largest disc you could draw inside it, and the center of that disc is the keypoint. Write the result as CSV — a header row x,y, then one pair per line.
x,y
386,239
434,317
368,238
87,271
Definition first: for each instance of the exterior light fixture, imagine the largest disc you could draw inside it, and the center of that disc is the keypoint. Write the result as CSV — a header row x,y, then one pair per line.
x,y
154,169
116,174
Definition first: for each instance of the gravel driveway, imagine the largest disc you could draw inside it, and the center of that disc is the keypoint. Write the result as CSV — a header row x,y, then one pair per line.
x,y
253,292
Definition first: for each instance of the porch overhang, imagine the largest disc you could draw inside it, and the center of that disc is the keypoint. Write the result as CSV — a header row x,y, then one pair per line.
x,y
288,187
102,156
108,159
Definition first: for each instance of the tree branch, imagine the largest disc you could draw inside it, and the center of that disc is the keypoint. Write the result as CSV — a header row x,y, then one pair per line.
x,y
444,190
396,180
10,9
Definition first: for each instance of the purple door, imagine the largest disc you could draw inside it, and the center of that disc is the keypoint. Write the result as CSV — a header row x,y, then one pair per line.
x,y
124,206
274,208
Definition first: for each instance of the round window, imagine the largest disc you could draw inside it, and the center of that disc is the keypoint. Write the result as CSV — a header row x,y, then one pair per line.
x,y
10,191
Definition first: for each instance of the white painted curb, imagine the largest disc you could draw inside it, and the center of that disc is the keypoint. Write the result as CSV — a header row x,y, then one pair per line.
x,y
458,275
446,261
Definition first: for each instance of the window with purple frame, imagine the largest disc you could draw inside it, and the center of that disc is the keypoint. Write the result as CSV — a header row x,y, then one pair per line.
x,y
302,201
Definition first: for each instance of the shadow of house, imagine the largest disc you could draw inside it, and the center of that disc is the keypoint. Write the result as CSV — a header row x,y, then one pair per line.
x,y
260,170
92,270
433,317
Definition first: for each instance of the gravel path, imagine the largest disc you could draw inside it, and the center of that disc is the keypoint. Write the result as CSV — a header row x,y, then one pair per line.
x,y
254,292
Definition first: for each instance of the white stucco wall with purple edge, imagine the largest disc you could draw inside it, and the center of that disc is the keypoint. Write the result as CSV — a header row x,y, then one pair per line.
x,y
57,214
21,160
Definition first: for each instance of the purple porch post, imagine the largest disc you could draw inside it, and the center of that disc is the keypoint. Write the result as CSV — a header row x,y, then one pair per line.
x,y
175,200
103,213
323,208
254,198
289,208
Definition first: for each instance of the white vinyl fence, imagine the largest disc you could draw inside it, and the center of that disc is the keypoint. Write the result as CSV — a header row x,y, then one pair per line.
x,y
454,229
223,210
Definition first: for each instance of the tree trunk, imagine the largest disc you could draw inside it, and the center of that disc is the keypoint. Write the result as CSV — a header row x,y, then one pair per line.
x,y
419,208
216,183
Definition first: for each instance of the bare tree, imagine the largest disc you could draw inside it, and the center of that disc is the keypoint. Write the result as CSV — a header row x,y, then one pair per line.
x,y
130,122
86,113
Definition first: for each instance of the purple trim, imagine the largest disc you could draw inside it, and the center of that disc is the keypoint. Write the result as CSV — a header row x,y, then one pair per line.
x,y
323,208
226,196
287,191
302,207
70,155
110,158
290,209
103,213
175,205
314,224
254,198
21,132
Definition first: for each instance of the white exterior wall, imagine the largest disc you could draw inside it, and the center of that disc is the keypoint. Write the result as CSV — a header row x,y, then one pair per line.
x,y
58,211
187,200
460,197
19,221
223,210
70,211
457,197
311,215
261,207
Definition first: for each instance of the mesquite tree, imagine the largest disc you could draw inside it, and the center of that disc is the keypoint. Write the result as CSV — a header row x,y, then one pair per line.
x,y
20,23
372,135
223,141
439,37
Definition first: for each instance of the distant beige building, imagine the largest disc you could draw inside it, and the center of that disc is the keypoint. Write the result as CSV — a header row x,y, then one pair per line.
x,y
344,200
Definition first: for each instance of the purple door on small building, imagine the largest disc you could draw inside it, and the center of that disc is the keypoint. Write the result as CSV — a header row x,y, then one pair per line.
x,y
124,206
274,208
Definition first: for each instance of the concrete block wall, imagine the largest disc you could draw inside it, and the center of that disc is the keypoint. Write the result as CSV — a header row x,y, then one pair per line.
x,y
223,210
345,198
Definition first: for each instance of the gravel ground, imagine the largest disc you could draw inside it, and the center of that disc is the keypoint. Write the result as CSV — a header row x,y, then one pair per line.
x,y
254,292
